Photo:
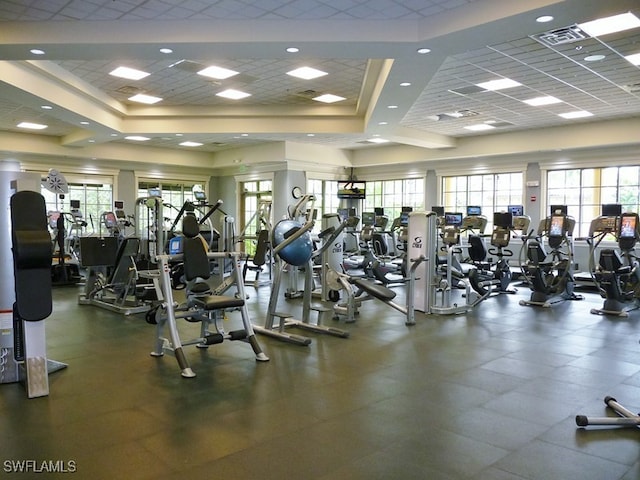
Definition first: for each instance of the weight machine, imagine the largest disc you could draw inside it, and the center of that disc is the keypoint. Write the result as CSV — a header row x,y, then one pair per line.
x,y
433,288
292,247
204,304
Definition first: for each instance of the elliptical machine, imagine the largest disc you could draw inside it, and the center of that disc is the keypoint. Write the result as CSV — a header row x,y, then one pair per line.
x,y
494,278
617,274
549,274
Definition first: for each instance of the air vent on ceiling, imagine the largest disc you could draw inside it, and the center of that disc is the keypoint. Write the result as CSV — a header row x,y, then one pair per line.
x,y
632,88
561,36
453,115
467,90
128,90
188,66
307,94
501,123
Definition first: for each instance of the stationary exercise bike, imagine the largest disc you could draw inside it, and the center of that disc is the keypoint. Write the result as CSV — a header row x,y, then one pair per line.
x,y
549,274
485,277
617,274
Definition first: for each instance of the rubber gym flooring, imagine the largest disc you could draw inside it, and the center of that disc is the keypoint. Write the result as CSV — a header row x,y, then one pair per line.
x,y
487,395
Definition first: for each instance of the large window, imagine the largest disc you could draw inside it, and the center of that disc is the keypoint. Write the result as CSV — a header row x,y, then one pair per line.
x,y
327,201
174,194
255,212
493,192
95,198
392,195
584,190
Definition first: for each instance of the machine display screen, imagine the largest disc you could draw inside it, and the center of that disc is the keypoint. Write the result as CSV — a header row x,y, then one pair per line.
x,y
200,196
368,218
558,209
474,210
628,225
404,219
110,220
453,219
516,210
556,226
439,211
154,192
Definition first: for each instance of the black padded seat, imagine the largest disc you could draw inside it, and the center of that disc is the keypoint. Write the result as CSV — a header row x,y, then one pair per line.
x,y
379,291
217,302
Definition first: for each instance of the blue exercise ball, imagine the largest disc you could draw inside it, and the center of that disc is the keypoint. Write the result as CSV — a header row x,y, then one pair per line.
x,y
297,253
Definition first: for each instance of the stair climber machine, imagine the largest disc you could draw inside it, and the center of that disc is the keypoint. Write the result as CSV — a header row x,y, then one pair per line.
x,y
549,274
487,277
204,304
617,273
473,223
293,247
433,282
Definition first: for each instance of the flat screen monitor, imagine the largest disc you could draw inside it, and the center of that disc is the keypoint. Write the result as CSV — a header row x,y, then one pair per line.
x,y
516,210
453,219
368,218
474,210
611,210
74,203
439,211
628,225
407,209
379,211
558,209
352,190
556,226
503,219
118,204
200,196
154,192
404,219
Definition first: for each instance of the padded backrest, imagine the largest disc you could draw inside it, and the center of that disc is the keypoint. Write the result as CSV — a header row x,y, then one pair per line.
x,y
196,263
610,260
477,248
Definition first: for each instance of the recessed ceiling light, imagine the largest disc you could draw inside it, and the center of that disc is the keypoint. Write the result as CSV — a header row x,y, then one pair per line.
x,y
244,134
128,73
544,19
179,134
499,84
634,59
594,58
307,73
191,144
219,73
31,125
137,138
37,51
233,94
166,50
615,23
84,122
311,134
479,127
142,98
576,114
422,51
383,123
91,140
114,134
329,98
539,101
405,84
378,140
46,107
293,50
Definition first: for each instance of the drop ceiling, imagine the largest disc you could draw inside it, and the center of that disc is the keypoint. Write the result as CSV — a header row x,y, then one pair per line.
x,y
369,50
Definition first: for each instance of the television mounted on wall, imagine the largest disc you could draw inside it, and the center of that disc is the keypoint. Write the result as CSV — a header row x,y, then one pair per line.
x,y
351,190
